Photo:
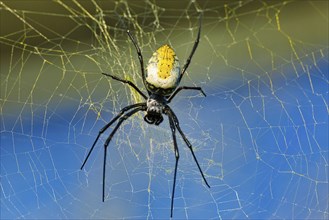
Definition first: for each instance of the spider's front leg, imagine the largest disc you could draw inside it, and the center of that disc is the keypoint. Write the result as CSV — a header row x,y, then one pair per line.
x,y
189,145
173,131
108,140
102,130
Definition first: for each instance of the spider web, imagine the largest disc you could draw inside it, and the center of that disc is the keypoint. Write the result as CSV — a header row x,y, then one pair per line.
x,y
260,135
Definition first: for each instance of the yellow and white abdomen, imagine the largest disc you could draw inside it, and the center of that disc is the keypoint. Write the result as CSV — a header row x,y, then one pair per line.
x,y
163,71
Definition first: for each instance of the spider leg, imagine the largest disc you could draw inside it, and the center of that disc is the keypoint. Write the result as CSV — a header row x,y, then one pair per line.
x,y
187,63
173,131
122,119
186,88
139,53
102,130
128,82
189,145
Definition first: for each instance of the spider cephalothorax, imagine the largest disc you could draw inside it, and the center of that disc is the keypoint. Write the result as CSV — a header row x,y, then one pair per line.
x,y
155,108
161,81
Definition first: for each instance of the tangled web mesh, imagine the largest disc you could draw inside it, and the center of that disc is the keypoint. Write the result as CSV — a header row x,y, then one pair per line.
x,y
260,135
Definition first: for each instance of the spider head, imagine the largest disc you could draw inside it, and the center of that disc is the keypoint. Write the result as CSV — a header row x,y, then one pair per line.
x,y
155,106
163,71
153,117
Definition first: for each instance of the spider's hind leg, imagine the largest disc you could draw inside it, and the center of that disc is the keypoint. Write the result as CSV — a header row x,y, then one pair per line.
x,y
127,82
196,43
185,88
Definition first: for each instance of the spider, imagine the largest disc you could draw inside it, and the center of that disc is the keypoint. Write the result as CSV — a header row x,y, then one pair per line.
x,y
161,80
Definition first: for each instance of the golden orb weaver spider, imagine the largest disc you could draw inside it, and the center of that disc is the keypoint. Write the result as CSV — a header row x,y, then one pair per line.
x,y
161,82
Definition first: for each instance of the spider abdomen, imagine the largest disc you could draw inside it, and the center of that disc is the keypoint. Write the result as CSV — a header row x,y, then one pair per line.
x,y
163,71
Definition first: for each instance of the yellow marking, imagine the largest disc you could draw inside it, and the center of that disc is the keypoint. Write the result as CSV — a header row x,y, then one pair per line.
x,y
166,59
